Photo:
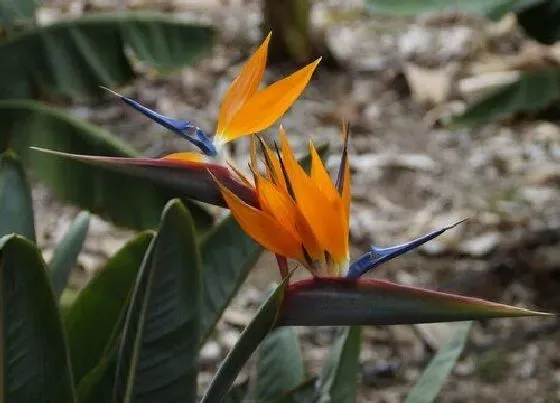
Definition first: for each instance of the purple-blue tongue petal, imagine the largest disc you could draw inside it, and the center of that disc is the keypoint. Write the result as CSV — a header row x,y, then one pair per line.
x,y
180,127
377,256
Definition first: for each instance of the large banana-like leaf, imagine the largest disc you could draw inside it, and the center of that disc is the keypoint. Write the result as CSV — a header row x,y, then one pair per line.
x,y
339,301
533,91
490,8
157,358
101,305
16,205
74,58
33,352
279,365
126,200
17,11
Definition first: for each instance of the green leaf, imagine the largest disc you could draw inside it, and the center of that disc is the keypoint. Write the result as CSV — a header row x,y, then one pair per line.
x,y
431,381
15,11
339,375
16,205
97,385
227,256
74,58
533,91
67,251
35,361
253,334
491,8
101,191
237,393
340,302
157,359
303,393
279,365
101,305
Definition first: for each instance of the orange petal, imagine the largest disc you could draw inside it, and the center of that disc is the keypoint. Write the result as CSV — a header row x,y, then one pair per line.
x,y
186,157
277,203
321,177
323,215
268,105
346,192
244,86
262,227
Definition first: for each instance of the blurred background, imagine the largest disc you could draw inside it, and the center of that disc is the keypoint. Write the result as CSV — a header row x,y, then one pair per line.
x,y
453,109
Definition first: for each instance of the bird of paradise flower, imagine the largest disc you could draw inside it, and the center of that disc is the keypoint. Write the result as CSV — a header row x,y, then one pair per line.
x,y
244,110
294,214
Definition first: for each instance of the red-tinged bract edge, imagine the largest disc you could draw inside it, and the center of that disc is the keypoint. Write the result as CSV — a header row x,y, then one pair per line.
x,y
192,179
341,301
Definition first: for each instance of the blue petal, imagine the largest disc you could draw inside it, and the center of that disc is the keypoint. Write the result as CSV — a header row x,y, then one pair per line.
x,y
180,127
377,256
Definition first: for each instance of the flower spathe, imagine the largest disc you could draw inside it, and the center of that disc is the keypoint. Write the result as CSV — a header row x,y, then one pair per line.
x,y
244,109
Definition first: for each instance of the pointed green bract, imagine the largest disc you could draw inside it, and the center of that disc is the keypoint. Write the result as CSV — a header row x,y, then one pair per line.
x,y
100,307
251,337
158,351
16,205
339,375
109,194
67,251
338,301
35,360
279,365
431,381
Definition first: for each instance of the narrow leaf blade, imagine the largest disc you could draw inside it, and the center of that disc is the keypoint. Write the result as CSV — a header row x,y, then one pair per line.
x,y
157,360
33,347
431,381
338,380
67,251
279,365
338,301
100,307
238,393
253,334
16,204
